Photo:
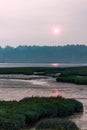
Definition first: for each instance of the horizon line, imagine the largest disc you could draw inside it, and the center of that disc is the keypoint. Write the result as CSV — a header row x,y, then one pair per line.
x,y
42,45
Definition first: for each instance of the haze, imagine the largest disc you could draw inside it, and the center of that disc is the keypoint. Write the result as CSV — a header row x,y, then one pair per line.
x,y
32,22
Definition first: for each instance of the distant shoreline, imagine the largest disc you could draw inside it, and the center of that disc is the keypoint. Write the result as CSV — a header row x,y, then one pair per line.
x,y
54,65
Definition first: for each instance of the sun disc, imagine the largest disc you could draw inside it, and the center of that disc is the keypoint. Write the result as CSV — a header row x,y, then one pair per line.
x,y
56,30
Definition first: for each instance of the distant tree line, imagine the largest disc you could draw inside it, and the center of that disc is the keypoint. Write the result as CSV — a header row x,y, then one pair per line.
x,y
41,54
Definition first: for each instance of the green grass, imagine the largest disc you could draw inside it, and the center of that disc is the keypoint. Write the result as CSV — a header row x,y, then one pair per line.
x,y
82,71
73,79
56,124
76,75
28,70
16,115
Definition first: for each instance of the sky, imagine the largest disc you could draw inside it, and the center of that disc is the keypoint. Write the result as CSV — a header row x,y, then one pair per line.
x,y
43,22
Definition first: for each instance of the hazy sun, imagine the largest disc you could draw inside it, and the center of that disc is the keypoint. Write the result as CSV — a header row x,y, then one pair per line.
x,y
56,30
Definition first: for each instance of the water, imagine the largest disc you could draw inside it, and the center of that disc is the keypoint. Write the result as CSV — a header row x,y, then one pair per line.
x,y
15,88
8,65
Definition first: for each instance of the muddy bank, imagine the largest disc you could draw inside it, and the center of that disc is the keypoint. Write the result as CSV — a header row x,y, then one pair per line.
x,y
15,89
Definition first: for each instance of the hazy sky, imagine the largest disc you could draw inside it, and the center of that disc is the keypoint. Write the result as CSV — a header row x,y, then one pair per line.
x,y
43,22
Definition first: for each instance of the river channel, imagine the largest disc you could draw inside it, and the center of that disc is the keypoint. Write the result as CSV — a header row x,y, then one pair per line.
x,y
16,87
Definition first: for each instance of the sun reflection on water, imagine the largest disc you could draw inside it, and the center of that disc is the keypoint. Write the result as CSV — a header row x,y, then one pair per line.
x,y
55,93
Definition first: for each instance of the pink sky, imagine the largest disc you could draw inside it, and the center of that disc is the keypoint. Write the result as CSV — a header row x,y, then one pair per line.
x,y
30,22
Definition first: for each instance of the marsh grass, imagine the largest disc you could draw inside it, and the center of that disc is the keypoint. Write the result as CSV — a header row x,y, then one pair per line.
x,y
73,79
26,112
56,124
76,75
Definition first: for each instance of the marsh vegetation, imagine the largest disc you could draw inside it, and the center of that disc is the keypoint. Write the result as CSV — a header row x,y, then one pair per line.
x,y
24,113
56,124
15,115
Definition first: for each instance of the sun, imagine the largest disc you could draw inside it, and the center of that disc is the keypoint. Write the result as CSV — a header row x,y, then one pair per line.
x,y
56,30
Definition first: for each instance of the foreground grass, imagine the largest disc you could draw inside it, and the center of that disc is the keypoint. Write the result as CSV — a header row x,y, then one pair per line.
x,y
56,124
16,115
